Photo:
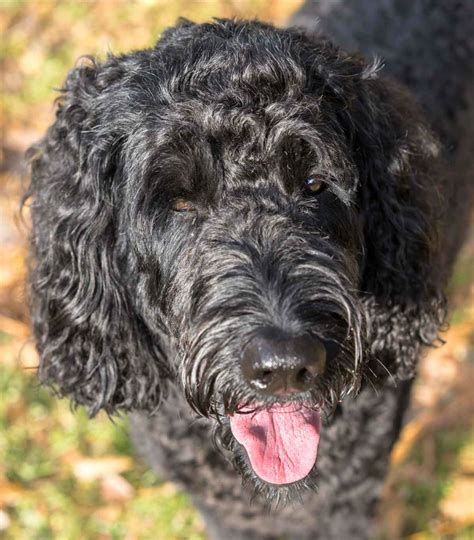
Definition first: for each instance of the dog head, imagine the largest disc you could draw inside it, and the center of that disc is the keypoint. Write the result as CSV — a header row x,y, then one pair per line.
x,y
242,211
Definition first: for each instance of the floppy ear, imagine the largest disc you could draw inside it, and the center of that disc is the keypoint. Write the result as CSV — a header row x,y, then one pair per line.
x,y
93,346
401,205
401,209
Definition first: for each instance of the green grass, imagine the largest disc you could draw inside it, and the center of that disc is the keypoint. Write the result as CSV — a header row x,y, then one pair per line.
x,y
423,493
38,434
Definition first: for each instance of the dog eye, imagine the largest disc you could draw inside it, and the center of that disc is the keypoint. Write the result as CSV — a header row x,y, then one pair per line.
x,y
314,184
182,205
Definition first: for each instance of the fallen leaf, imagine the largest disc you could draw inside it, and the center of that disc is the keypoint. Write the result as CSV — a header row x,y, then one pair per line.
x,y
14,327
88,469
109,513
15,410
466,459
418,536
28,357
164,490
10,492
19,353
12,270
408,437
4,521
114,488
458,505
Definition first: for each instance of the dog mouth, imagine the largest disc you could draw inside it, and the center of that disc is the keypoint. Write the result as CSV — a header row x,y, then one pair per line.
x,y
281,441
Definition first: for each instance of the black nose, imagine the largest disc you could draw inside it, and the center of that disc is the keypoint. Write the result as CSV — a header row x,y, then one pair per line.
x,y
277,364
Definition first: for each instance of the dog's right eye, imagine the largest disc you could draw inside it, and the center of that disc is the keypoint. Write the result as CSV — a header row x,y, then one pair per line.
x,y
182,205
314,184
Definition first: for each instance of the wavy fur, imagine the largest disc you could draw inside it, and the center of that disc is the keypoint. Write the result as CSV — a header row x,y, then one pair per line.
x,y
132,300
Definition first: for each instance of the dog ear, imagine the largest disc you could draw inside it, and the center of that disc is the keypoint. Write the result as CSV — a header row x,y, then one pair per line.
x,y
400,200
400,203
93,346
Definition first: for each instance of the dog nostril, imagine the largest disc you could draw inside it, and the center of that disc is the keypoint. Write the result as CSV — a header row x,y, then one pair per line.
x,y
305,377
264,378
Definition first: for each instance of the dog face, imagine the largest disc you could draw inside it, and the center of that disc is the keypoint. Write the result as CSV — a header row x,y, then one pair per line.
x,y
254,232
227,212
258,250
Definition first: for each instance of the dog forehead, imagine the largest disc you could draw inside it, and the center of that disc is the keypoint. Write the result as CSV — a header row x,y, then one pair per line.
x,y
258,139
253,130
199,148
225,55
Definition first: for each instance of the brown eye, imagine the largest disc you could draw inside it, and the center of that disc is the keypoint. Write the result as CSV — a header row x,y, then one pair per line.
x,y
182,205
314,184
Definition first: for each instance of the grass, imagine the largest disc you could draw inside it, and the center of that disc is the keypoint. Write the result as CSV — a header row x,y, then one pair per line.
x,y
424,492
43,442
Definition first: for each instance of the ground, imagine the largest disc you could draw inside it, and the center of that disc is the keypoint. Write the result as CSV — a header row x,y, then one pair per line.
x,y
64,477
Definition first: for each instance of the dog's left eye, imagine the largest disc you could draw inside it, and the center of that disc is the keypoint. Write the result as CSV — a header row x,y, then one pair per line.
x,y
314,184
182,205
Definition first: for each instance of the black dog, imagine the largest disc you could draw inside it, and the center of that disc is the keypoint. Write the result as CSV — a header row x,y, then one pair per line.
x,y
248,224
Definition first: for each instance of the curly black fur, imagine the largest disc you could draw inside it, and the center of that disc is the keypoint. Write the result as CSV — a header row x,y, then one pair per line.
x,y
135,304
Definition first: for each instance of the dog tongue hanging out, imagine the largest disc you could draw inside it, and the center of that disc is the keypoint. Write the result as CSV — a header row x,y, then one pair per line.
x,y
281,442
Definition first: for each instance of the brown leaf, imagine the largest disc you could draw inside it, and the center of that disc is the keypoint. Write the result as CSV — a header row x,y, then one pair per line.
x,y
459,503
16,410
466,459
4,521
114,488
408,437
10,492
12,269
108,513
166,489
17,352
28,357
13,327
88,469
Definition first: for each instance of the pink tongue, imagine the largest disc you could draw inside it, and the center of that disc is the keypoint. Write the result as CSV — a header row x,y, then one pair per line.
x,y
281,442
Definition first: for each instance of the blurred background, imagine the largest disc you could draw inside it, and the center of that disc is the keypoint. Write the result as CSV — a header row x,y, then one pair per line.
x,y
67,478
